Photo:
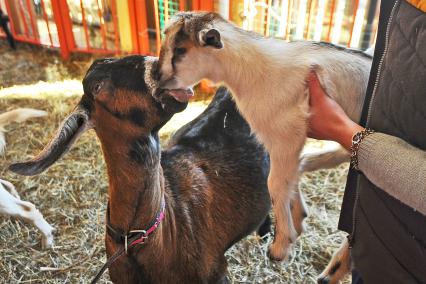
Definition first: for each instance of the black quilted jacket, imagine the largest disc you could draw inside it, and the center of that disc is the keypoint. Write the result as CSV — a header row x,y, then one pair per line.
x,y
388,237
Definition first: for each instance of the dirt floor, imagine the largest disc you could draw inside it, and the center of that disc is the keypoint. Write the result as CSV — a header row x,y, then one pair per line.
x,y
72,195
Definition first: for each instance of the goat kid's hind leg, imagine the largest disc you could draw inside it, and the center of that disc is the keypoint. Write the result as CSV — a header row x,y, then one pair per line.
x,y
281,181
12,206
339,265
33,216
327,158
320,159
299,209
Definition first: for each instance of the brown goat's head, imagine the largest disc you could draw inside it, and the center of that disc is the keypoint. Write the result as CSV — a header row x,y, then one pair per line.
x,y
117,104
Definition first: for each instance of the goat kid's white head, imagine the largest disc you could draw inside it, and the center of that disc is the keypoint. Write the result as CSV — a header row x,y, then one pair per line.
x,y
190,40
116,103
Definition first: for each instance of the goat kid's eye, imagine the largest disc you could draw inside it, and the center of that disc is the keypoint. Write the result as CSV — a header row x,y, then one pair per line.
x,y
180,51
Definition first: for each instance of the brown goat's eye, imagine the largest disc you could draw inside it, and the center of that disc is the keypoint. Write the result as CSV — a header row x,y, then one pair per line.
x,y
97,87
180,51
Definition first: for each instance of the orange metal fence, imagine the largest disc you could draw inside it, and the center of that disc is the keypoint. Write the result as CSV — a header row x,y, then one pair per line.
x,y
134,26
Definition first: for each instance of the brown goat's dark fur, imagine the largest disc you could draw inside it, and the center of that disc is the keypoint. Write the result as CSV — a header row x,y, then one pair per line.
x,y
213,176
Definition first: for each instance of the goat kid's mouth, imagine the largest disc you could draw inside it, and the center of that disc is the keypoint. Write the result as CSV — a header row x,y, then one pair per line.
x,y
181,95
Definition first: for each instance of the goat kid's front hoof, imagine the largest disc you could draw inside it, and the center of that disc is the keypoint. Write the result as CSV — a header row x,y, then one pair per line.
x,y
278,252
326,278
323,280
47,240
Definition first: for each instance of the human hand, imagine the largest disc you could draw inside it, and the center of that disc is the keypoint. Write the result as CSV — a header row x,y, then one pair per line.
x,y
328,121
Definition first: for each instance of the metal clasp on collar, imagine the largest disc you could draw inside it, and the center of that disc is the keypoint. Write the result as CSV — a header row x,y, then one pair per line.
x,y
140,240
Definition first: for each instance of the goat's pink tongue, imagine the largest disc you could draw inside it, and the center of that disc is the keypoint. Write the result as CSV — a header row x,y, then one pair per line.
x,y
182,95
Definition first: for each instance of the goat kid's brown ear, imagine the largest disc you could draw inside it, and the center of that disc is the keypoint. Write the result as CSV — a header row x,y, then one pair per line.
x,y
210,37
72,127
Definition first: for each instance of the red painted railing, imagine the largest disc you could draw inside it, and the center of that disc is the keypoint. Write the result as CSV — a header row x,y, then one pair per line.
x,y
98,28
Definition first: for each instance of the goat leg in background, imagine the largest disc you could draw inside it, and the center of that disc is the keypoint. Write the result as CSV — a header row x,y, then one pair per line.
x,y
13,206
299,209
327,158
339,265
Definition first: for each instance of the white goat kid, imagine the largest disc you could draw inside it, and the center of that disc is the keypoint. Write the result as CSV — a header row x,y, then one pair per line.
x,y
10,202
12,205
267,77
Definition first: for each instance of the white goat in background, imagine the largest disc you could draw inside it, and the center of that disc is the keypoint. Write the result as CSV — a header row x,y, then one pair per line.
x,y
10,202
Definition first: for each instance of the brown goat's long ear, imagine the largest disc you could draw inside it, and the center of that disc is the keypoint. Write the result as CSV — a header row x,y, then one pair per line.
x,y
72,127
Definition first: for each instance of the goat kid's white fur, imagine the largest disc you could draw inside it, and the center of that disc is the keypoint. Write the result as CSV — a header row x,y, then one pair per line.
x,y
10,202
268,80
12,205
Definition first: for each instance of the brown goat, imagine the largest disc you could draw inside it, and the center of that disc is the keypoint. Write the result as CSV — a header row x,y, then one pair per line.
x,y
212,176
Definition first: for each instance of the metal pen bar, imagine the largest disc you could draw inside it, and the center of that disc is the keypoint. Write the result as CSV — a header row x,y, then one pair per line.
x,y
46,19
115,23
86,32
101,25
23,18
157,27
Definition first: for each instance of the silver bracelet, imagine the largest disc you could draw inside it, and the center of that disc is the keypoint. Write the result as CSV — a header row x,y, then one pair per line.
x,y
356,141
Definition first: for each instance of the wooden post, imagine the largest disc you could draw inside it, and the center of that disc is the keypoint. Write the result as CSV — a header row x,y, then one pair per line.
x,y
206,5
115,23
46,20
195,5
330,22
58,16
268,18
133,25
368,32
30,10
356,3
86,30
157,27
102,26
124,23
142,27
182,5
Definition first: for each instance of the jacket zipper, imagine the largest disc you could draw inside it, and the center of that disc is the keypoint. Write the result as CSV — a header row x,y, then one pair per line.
x,y
376,83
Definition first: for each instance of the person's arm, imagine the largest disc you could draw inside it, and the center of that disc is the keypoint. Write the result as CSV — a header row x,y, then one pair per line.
x,y
396,167
388,162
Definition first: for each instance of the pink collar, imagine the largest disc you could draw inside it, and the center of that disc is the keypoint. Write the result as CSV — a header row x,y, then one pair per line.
x,y
132,238
120,237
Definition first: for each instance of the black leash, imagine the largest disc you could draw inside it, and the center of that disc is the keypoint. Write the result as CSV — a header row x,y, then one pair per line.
x,y
133,238
116,256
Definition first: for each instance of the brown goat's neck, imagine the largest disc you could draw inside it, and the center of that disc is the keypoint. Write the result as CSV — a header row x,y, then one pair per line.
x,y
135,181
